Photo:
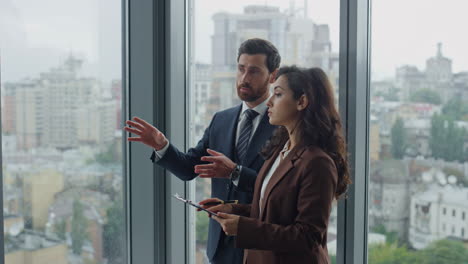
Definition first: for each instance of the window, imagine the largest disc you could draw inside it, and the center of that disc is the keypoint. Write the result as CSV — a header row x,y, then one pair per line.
x,y
61,132
463,216
417,87
304,35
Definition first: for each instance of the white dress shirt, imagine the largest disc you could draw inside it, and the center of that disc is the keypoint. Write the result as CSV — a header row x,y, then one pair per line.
x,y
272,170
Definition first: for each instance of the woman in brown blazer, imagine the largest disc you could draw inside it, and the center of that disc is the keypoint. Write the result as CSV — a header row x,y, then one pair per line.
x,y
306,169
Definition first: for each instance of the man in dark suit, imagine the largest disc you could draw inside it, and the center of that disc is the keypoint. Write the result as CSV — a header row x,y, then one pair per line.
x,y
228,153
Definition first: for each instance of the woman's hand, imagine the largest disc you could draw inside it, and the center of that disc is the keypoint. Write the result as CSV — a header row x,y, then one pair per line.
x,y
215,205
228,222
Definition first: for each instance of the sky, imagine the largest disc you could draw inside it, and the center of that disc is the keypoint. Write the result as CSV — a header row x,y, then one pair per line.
x,y
36,35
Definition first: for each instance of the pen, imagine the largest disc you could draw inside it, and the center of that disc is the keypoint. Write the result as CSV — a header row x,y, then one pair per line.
x,y
223,202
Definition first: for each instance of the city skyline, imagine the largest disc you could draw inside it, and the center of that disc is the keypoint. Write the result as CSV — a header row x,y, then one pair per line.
x,y
32,35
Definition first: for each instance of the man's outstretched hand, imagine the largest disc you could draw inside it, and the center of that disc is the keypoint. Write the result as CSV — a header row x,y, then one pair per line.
x,y
147,134
220,166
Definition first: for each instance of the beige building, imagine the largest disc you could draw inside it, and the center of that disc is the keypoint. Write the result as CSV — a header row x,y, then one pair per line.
x,y
39,190
96,122
32,247
374,140
29,108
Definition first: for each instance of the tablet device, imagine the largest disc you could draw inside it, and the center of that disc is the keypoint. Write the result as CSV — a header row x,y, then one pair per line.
x,y
177,196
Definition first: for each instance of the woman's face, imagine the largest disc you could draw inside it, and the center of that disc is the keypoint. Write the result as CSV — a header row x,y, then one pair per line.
x,y
283,108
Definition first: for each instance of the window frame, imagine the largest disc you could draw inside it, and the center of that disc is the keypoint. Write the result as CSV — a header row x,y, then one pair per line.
x,y
155,76
354,92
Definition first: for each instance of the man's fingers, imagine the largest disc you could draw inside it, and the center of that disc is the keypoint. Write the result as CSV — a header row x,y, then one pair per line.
x,y
207,171
210,158
133,130
136,139
135,124
207,175
142,122
204,166
214,153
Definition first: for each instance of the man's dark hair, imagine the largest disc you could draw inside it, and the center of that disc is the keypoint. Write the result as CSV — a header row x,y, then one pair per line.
x,y
261,46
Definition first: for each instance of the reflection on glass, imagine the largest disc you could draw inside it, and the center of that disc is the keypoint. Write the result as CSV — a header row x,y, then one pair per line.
x,y
418,184
305,35
61,141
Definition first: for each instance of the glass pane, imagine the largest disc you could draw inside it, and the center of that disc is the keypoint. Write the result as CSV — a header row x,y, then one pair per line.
x,y
61,90
418,184
306,33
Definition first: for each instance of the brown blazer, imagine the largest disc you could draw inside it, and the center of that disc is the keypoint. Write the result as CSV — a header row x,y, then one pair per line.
x,y
292,227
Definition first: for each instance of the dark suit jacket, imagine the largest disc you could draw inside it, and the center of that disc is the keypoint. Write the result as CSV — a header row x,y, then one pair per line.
x,y
220,136
292,227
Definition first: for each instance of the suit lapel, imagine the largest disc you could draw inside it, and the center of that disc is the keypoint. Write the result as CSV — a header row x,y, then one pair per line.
x,y
261,135
231,129
283,168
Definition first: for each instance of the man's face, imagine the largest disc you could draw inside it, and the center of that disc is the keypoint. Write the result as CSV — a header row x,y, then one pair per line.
x,y
253,77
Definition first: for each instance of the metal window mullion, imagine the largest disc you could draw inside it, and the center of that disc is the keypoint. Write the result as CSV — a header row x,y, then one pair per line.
x,y
354,109
146,73
176,116
2,245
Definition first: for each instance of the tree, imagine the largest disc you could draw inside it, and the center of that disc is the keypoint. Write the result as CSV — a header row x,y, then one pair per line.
x,y
444,252
456,108
79,227
60,229
391,237
108,156
426,96
446,139
437,136
202,227
114,233
390,254
398,139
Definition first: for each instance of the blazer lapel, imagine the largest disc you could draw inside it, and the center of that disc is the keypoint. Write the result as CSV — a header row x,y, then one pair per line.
x,y
283,168
231,129
261,135
258,184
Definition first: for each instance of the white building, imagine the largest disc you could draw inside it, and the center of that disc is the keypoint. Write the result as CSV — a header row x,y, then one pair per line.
x,y
438,213
389,196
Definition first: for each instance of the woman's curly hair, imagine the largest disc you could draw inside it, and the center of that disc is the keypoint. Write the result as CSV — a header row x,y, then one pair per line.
x,y
320,124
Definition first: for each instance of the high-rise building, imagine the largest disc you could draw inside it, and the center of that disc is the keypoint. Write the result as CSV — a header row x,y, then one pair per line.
x,y
60,109
299,41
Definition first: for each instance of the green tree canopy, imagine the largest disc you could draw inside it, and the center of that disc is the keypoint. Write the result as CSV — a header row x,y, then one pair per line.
x,y
456,109
398,139
425,96
446,139
444,252
79,227
114,233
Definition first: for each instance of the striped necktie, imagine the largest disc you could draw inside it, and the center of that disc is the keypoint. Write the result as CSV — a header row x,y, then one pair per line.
x,y
245,133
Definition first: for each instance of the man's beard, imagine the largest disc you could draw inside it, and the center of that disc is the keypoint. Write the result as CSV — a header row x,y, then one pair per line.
x,y
255,95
